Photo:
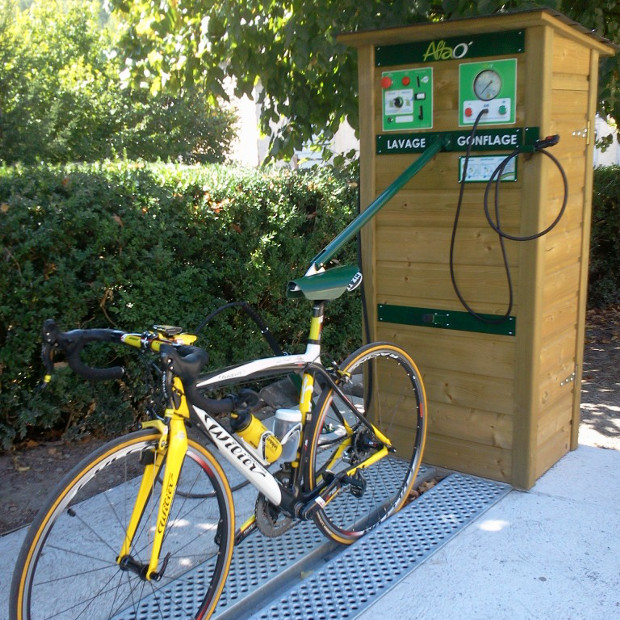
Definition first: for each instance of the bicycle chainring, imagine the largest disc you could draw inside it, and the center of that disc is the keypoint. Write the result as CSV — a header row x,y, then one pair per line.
x,y
269,519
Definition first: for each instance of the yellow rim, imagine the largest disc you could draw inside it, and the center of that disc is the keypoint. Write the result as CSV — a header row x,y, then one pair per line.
x,y
374,458
138,438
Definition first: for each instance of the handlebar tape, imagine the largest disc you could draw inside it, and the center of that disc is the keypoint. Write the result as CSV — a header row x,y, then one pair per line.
x,y
73,342
187,362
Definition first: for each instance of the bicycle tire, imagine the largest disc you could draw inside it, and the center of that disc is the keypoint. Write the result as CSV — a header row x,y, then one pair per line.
x,y
385,385
67,565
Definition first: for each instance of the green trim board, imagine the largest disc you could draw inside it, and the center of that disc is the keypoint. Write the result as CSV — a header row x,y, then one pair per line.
x,y
484,140
451,48
446,319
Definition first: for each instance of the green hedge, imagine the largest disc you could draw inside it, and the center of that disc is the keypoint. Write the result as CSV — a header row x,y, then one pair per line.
x,y
128,246
604,283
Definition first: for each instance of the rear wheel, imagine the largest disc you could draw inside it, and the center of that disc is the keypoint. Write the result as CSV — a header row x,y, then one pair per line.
x,y
384,384
67,567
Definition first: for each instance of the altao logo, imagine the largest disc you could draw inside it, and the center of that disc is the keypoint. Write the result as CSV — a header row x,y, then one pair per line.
x,y
439,50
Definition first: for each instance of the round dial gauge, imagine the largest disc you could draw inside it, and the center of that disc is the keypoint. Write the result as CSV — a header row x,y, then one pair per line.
x,y
487,84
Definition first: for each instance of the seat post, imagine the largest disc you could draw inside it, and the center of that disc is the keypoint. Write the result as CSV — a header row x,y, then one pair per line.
x,y
316,324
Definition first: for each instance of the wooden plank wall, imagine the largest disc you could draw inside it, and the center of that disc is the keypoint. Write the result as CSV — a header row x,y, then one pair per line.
x,y
499,406
563,289
469,377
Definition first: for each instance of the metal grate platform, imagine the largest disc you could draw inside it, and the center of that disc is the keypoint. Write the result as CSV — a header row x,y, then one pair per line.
x,y
358,576
303,576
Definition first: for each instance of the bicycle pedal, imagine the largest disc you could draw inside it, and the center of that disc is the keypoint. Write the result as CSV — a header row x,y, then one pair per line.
x,y
357,484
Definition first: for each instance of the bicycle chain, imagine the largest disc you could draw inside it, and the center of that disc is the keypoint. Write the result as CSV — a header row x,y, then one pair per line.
x,y
269,519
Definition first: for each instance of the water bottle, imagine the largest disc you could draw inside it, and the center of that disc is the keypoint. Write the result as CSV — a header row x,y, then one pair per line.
x,y
287,427
256,434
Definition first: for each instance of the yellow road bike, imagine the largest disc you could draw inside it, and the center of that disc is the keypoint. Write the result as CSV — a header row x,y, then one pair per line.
x,y
149,511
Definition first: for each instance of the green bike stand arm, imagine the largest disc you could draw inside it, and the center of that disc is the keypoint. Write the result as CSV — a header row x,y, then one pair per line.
x,y
438,144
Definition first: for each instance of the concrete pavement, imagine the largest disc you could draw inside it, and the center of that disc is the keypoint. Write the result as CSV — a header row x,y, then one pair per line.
x,y
550,553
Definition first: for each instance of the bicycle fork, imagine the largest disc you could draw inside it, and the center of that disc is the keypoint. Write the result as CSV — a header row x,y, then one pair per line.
x,y
171,448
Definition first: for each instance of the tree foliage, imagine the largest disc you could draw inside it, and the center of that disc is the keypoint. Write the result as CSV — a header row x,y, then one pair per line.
x,y
61,97
290,48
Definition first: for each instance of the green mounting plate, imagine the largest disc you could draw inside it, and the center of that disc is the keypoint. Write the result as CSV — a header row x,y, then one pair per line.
x,y
445,319
407,99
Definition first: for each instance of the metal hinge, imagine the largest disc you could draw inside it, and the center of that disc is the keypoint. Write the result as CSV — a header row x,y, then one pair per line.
x,y
569,379
584,133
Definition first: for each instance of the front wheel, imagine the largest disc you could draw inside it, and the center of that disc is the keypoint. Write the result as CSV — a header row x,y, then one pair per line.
x,y
384,385
68,569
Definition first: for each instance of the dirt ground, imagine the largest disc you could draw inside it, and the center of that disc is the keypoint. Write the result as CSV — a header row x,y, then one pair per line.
x,y
30,472
600,386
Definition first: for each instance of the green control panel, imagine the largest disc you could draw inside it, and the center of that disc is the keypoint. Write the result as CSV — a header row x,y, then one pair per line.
x,y
490,86
407,99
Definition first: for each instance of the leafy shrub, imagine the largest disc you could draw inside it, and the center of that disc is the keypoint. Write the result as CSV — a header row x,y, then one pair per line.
x,y
127,246
604,283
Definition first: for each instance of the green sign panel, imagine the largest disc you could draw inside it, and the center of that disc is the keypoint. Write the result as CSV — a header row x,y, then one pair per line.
x,y
446,319
407,99
485,140
488,91
452,48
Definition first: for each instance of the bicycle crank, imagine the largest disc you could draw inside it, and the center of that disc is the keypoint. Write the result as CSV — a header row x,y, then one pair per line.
x,y
334,484
269,518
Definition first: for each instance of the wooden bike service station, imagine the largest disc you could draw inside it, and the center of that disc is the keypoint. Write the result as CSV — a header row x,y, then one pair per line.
x,y
503,389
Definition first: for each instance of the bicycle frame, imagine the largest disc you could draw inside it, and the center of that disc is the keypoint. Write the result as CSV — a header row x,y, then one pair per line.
x,y
172,446
173,443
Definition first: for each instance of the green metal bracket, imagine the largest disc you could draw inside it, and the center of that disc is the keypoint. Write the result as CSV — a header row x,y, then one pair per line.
x,y
438,143
446,319
326,285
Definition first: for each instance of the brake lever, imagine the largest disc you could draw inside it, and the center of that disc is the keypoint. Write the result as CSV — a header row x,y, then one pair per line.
x,y
47,348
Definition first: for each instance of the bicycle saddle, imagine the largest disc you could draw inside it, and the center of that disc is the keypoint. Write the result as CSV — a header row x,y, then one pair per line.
x,y
326,285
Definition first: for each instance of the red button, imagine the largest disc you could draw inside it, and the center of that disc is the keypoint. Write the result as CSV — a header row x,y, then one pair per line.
x,y
468,112
386,81
406,80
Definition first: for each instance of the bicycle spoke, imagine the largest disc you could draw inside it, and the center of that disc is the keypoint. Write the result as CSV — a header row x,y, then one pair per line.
x,y
89,601
92,531
74,575
79,539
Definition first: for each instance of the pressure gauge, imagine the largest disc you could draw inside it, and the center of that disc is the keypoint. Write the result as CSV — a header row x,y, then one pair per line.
x,y
487,84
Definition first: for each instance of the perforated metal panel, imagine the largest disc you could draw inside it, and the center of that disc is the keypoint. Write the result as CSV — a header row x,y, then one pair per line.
x,y
303,576
258,564
359,575
261,565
